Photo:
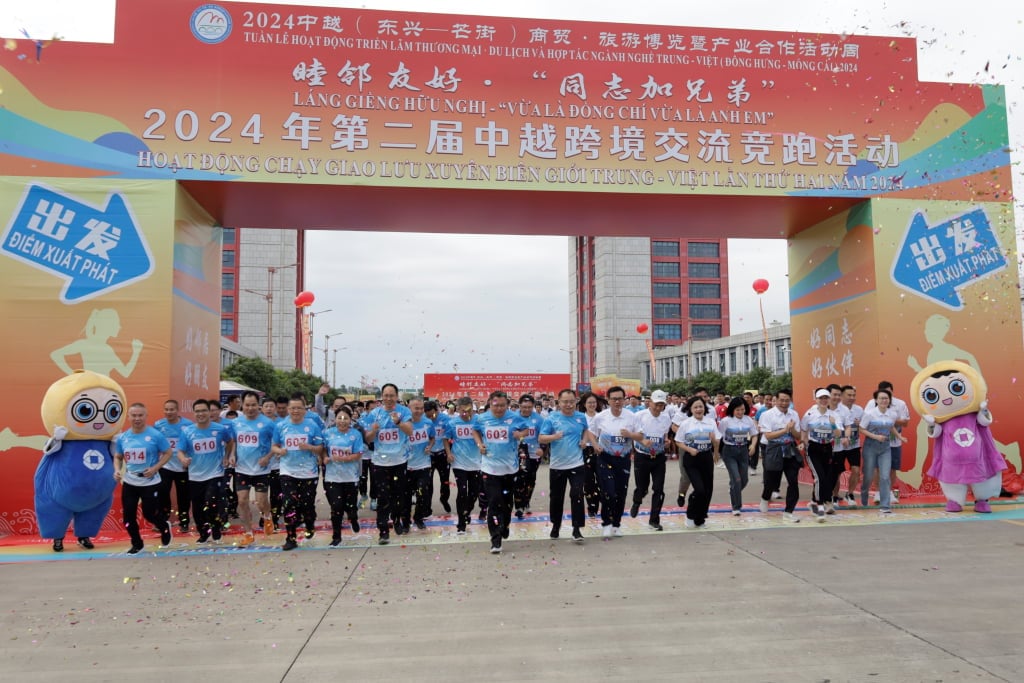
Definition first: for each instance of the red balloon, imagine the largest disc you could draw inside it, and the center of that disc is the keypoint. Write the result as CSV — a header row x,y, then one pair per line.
x,y
760,285
641,328
304,299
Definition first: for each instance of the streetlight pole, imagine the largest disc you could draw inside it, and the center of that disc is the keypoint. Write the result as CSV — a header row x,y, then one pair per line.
x,y
313,315
327,341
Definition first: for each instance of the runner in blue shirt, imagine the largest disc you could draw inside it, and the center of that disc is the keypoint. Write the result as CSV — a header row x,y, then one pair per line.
x,y
418,475
566,432
464,444
173,472
298,443
390,427
501,431
439,456
206,449
139,453
530,452
254,433
344,445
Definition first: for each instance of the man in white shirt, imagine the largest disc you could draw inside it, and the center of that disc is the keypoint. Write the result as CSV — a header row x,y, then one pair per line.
x,y
780,426
615,429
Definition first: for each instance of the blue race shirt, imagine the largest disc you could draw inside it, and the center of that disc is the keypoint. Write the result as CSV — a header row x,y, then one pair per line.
x,y
467,455
533,423
173,434
297,463
140,451
206,448
422,433
502,456
252,442
343,443
442,427
391,445
566,452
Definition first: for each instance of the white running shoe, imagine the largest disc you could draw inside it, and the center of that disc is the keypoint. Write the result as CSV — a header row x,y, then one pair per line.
x,y
690,524
616,531
606,531
764,505
735,513
790,517
776,495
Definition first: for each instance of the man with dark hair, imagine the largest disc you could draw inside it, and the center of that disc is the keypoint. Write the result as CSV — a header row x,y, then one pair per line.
x,y
298,443
389,430
781,428
438,456
615,429
567,434
173,472
254,433
464,445
530,452
139,453
206,448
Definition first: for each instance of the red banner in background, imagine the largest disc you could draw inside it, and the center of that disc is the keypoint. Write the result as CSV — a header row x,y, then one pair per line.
x,y
448,386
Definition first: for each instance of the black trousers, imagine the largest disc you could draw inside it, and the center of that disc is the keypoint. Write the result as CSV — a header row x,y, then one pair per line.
x,y
613,475
772,480
417,482
179,480
467,489
207,497
500,492
276,498
439,463
343,499
819,457
558,479
701,470
299,503
152,510
230,494
649,471
392,494
527,482
591,487
367,482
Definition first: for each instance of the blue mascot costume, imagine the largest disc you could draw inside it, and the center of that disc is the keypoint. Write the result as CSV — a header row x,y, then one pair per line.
x,y
75,478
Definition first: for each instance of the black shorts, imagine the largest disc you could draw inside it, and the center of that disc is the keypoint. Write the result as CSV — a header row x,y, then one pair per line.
x,y
852,456
244,482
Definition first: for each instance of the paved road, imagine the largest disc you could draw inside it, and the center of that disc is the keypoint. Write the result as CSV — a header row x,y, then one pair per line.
x,y
911,601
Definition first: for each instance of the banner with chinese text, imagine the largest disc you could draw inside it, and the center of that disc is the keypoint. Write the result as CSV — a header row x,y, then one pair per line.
x,y
881,291
87,269
313,95
478,386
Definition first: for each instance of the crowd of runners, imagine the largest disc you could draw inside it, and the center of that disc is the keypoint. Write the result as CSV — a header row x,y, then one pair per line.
x,y
261,460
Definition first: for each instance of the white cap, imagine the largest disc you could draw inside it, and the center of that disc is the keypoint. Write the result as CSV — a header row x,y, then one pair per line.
x,y
659,396
822,393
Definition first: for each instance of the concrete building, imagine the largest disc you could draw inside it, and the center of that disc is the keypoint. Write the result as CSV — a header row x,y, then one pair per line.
x,y
732,355
679,288
262,272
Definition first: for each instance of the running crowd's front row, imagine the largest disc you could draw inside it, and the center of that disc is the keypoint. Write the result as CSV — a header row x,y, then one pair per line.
x,y
494,456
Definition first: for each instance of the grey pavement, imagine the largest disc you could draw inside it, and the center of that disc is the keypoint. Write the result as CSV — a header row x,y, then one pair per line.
x,y
892,602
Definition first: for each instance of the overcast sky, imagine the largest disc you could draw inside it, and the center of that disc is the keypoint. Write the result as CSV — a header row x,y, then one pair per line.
x,y
500,304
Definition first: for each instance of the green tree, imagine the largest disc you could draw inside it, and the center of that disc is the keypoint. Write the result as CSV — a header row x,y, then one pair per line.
x,y
295,381
253,372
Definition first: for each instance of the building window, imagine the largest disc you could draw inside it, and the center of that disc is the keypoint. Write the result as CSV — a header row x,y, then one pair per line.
x,y
665,248
227,281
702,249
668,331
721,362
667,311
705,331
227,259
705,311
732,361
708,270
665,269
227,327
227,304
229,235
705,290
780,356
665,290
